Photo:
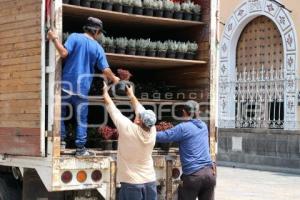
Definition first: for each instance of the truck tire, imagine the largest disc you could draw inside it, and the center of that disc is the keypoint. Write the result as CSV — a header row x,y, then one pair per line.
x,y
10,189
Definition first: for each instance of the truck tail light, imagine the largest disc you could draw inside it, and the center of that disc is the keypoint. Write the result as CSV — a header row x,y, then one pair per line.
x,y
96,175
66,177
81,176
175,173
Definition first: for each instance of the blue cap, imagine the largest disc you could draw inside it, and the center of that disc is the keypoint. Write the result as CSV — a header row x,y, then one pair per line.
x,y
148,118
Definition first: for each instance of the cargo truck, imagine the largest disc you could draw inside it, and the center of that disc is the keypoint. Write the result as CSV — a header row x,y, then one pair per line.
x,y
32,165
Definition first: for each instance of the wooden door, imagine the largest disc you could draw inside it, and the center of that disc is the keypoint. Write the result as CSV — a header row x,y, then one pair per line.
x,y
20,77
259,44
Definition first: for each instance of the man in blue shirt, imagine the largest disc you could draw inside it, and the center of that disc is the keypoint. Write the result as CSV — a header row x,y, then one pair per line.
x,y
192,135
82,54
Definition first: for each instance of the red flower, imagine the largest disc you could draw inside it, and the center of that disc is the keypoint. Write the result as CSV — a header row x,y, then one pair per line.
x,y
162,126
108,133
124,74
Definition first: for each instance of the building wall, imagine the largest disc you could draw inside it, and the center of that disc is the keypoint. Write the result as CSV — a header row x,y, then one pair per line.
x,y
277,148
227,8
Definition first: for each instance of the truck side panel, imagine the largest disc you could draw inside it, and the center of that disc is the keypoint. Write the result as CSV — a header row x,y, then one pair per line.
x,y
20,77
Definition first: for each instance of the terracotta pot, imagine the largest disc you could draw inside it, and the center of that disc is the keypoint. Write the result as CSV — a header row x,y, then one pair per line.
x,y
130,51
196,17
168,13
187,16
178,15
138,10
85,3
107,5
96,4
75,2
158,13
127,9
117,7
148,11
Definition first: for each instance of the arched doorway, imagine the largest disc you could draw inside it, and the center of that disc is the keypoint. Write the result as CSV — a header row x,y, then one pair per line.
x,y
246,12
260,80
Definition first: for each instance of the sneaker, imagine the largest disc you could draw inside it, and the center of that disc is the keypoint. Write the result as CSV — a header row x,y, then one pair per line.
x,y
83,152
63,145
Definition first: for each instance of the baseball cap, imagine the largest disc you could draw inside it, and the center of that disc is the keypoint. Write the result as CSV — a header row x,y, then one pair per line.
x,y
192,106
94,23
148,118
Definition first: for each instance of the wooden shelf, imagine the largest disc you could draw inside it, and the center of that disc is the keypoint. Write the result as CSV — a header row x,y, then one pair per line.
x,y
143,101
118,18
144,62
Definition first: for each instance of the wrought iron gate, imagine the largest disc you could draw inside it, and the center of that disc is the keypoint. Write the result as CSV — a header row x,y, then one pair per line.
x,y
259,98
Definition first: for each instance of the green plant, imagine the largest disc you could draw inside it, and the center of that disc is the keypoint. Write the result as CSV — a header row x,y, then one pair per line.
x,y
192,46
131,43
101,39
168,5
162,46
148,3
186,6
127,2
158,5
117,1
172,45
182,47
177,7
152,46
142,43
196,9
109,41
121,42
137,3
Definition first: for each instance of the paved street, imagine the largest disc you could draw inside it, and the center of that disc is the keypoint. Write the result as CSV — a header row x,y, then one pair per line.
x,y
243,184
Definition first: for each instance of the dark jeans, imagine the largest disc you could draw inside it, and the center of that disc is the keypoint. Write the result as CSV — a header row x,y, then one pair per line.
x,y
200,184
145,191
79,107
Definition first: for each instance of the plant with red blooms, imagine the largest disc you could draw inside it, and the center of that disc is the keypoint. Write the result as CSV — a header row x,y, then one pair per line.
x,y
124,75
108,133
162,126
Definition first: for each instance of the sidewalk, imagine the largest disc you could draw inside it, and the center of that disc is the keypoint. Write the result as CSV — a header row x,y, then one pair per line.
x,y
244,184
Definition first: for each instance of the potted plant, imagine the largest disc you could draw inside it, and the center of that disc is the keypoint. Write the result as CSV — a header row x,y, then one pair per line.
x,y
127,6
109,44
192,49
177,11
96,4
85,3
120,87
148,7
186,7
141,46
107,4
196,12
101,40
162,126
65,1
117,6
162,48
158,9
182,50
168,8
109,135
151,49
172,49
75,2
137,7
121,44
131,47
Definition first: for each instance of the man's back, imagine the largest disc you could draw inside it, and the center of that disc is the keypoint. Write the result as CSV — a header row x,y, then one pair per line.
x,y
135,147
84,54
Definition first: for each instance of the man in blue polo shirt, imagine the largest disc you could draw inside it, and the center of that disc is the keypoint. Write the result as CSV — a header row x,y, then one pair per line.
x,y
192,135
82,54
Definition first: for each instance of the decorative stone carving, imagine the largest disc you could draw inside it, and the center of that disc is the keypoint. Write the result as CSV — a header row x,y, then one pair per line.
x,y
248,10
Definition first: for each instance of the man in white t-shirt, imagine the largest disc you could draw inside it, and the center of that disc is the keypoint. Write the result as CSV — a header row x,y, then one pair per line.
x,y
136,142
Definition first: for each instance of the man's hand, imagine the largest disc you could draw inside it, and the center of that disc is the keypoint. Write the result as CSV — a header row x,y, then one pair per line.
x,y
116,80
129,91
105,88
52,35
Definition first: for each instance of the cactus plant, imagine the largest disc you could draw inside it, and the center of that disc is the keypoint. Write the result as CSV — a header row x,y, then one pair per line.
x,y
131,47
151,49
158,8
182,50
196,12
187,8
178,12
148,7
162,48
168,8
